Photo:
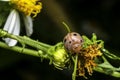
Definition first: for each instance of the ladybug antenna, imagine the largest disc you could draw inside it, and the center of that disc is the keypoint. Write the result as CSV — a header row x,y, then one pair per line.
x,y
68,29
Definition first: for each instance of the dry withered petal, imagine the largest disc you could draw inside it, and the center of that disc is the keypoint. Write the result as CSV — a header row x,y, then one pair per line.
x,y
86,59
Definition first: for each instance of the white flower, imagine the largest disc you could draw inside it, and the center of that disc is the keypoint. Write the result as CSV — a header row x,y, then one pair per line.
x,y
27,7
12,25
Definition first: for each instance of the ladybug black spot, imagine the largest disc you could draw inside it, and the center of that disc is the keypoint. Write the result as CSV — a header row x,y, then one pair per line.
x,y
70,42
64,40
75,34
81,40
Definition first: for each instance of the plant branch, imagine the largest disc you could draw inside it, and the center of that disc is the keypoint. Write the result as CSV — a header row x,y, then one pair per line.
x,y
75,67
24,40
20,49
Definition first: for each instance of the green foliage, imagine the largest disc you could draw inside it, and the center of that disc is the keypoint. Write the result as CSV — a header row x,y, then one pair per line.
x,y
91,41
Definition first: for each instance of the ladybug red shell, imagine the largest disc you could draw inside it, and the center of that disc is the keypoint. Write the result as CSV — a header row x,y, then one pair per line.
x,y
73,42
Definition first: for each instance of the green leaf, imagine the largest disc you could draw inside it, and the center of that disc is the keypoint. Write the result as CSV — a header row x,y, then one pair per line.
x,y
87,41
94,37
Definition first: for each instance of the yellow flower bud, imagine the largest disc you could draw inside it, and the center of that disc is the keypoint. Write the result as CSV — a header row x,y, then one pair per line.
x,y
60,58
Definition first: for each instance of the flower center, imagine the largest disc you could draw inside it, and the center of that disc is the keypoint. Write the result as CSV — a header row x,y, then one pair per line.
x,y
28,7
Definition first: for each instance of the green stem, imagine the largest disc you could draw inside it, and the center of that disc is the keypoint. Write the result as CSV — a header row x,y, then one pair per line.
x,y
20,49
33,43
75,67
101,70
66,26
41,47
25,40
110,55
107,68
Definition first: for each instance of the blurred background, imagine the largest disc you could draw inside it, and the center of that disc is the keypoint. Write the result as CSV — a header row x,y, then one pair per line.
x,y
83,16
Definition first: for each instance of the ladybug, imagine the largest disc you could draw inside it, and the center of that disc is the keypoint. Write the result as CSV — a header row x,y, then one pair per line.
x,y
73,42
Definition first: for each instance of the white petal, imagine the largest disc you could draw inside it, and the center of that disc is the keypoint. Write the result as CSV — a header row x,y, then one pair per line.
x,y
4,0
10,42
12,26
10,23
28,25
16,30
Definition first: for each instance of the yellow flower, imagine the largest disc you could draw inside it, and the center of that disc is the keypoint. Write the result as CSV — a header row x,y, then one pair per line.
x,y
28,7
